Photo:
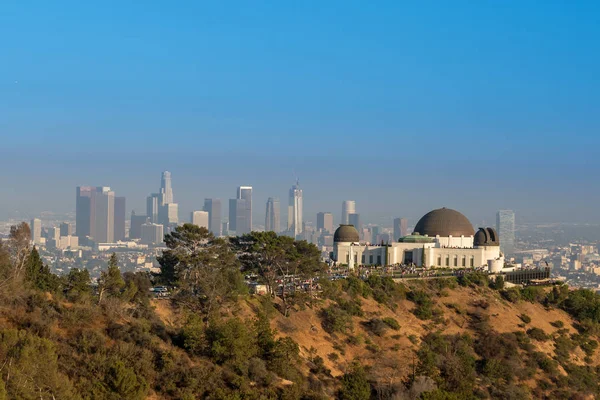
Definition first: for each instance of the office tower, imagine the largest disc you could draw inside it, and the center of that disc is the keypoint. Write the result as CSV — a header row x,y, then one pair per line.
x,y
84,212
213,207
295,210
348,207
119,233
135,228
66,229
245,193
104,215
200,218
374,234
225,228
354,219
272,216
152,233
238,222
152,206
325,222
400,228
36,230
168,214
166,192
505,225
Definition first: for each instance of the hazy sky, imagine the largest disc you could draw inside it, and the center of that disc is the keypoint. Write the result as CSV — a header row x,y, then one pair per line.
x,y
401,106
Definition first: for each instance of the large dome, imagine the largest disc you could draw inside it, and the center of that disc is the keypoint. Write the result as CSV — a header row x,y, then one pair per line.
x,y
346,233
444,222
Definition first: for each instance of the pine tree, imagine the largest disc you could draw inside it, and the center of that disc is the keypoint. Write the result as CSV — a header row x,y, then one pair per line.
x,y
111,282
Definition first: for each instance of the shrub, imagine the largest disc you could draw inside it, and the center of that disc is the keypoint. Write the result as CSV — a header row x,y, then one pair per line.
x,y
354,340
525,318
513,294
355,385
335,319
333,357
557,324
537,334
376,326
352,307
392,323
533,294
424,304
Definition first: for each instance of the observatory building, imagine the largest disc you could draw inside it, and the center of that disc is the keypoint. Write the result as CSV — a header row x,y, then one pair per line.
x,y
442,238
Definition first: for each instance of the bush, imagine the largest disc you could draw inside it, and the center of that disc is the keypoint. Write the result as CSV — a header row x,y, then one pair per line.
x,y
537,334
525,318
352,307
474,278
355,385
424,304
335,319
499,282
557,324
376,326
513,294
533,294
392,323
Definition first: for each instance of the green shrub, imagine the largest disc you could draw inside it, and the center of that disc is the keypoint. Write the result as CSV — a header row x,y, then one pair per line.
x,y
537,334
352,307
392,323
525,318
355,384
335,319
533,294
376,326
512,294
557,324
424,304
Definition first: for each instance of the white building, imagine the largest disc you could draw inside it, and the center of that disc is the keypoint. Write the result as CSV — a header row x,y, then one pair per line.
x,y
200,218
152,233
295,211
443,238
36,231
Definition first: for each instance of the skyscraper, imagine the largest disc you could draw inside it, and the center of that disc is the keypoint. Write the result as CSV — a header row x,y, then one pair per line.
x,y
295,210
213,207
200,218
168,214
166,192
66,229
119,219
245,193
354,219
374,234
152,233
348,207
104,215
135,228
238,211
325,222
400,228
505,224
272,215
84,212
36,230
152,206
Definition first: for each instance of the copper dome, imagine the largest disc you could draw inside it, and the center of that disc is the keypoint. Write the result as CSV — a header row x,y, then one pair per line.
x,y
444,222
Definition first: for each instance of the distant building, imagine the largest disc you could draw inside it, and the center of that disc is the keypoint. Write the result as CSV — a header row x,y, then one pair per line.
x,y
354,219
213,207
152,233
104,215
245,193
84,211
135,227
168,214
505,225
166,191
272,216
120,217
36,230
400,228
238,213
325,222
225,228
374,233
295,211
348,207
152,206
66,229
200,218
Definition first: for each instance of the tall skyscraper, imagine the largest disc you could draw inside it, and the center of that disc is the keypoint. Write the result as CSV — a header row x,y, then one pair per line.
x,y
505,225
152,233
66,229
238,222
166,191
348,207
84,212
168,214
295,210
354,219
135,228
200,218
400,228
325,222
36,230
213,207
245,193
272,216
119,219
374,234
104,215
152,207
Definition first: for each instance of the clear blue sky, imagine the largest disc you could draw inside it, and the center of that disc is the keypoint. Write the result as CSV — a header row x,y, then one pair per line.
x,y
402,106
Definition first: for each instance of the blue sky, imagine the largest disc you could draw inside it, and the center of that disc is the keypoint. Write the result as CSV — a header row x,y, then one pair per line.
x,y
402,106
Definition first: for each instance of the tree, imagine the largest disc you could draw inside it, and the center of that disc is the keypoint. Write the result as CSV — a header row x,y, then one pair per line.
x,y
38,274
355,385
204,268
17,252
137,287
77,285
110,282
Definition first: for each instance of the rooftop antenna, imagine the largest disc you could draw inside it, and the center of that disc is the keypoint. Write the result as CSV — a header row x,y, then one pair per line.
x,y
296,178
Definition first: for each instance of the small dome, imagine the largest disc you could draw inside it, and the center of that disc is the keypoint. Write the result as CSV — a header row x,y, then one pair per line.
x,y
346,233
444,222
486,237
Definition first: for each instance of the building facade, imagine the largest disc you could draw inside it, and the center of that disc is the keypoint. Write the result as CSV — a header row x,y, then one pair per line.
x,y
213,207
348,207
400,228
325,222
200,218
272,215
505,225
295,211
